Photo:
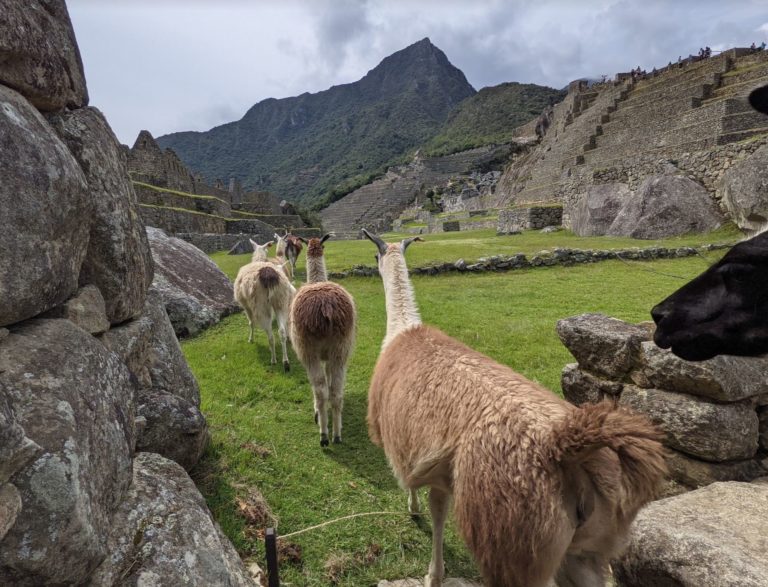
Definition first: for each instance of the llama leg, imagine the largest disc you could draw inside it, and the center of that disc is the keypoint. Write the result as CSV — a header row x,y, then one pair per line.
x,y
413,502
266,324
438,507
250,323
282,329
336,377
317,379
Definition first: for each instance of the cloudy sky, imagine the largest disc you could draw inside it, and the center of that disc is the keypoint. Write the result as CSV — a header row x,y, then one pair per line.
x,y
171,65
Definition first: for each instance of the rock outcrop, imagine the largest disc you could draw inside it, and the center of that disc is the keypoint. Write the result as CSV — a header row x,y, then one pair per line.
x,y
745,191
712,537
196,293
597,210
91,370
666,205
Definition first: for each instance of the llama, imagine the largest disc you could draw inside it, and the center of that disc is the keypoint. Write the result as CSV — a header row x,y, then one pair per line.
x,y
280,256
541,489
322,333
260,251
292,247
723,311
265,293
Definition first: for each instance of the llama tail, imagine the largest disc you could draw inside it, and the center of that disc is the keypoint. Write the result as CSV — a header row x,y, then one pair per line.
x,y
633,438
268,278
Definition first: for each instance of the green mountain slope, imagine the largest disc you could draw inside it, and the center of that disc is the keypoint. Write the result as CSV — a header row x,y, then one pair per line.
x,y
301,148
490,116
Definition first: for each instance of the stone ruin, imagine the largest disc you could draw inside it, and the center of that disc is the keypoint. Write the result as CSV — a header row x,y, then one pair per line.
x,y
212,218
710,531
99,412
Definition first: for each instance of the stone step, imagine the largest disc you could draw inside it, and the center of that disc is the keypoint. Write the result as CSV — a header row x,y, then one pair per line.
x,y
735,137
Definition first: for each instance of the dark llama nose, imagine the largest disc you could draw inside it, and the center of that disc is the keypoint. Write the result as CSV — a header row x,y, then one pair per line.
x,y
660,311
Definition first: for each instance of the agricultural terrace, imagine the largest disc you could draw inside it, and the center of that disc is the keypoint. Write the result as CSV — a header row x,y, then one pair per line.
x,y
264,440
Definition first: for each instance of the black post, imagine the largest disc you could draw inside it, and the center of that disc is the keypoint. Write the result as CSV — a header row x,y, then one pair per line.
x,y
270,544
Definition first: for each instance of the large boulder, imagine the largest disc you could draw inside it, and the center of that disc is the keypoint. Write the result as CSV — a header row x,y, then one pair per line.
x,y
603,345
196,293
74,399
163,534
598,208
39,54
169,397
664,206
118,261
46,212
707,430
711,537
580,386
86,309
745,191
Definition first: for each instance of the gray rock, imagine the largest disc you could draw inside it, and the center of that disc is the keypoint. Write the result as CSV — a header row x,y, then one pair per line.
x,y
601,344
86,309
711,537
39,54
131,342
762,417
10,507
118,261
74,399
43,197
724,378
745,190
196,293
580,386
598,208
693,473
665,206
16,449
163,534
709,431
174,428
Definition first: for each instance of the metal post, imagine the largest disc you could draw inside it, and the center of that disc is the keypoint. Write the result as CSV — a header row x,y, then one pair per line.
x,y
270,544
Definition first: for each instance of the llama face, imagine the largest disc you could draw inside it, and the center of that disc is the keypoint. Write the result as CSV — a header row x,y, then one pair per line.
x,y
723,311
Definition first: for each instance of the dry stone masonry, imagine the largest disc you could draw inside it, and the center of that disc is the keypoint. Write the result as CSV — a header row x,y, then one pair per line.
x,y
91,372
711,411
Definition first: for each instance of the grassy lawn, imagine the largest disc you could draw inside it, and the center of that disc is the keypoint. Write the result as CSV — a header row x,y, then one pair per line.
x,y
471,245
264,438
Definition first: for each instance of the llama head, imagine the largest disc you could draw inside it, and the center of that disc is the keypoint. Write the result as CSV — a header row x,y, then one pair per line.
x,y
260,251
389,251
315,246
281,244
722,311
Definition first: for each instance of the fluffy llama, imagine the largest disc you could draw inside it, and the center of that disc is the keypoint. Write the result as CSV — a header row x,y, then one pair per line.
x,y
542,490
281,256
293,247
322,333
265,293
723,311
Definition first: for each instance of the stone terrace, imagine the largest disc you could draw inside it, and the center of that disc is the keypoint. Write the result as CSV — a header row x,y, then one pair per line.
x,y
697,106
376,205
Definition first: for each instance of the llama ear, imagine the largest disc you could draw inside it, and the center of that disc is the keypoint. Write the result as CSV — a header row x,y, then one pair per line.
x,y
277,236
302,239
269,244
326,237
376,240
254,244
407,241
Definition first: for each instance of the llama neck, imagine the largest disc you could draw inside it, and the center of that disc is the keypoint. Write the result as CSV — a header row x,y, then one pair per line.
x,y
316,269
402,311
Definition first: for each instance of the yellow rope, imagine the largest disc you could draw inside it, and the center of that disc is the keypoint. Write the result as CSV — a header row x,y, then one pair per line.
x,y
341,519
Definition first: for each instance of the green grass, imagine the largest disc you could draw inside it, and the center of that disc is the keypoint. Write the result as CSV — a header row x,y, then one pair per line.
x,y
471,245
251,406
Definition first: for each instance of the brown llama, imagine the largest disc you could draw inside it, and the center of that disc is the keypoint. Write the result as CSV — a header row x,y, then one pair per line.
x,y
542,490
292,247
265,293
322,333
281,256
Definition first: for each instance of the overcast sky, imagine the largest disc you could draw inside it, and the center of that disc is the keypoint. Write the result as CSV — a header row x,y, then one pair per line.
x,y
172,65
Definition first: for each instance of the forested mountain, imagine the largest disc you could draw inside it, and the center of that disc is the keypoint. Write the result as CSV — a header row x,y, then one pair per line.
x,y
301,148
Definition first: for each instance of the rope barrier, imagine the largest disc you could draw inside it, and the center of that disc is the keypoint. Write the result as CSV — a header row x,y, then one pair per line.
x,y
349,517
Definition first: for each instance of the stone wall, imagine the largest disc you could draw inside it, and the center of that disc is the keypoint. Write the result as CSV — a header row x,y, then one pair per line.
x,y
176,220
531,218
153,196
714,412
91,372
211,243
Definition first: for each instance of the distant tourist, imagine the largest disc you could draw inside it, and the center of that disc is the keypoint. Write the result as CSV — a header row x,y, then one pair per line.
x,y
762,46
753,46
